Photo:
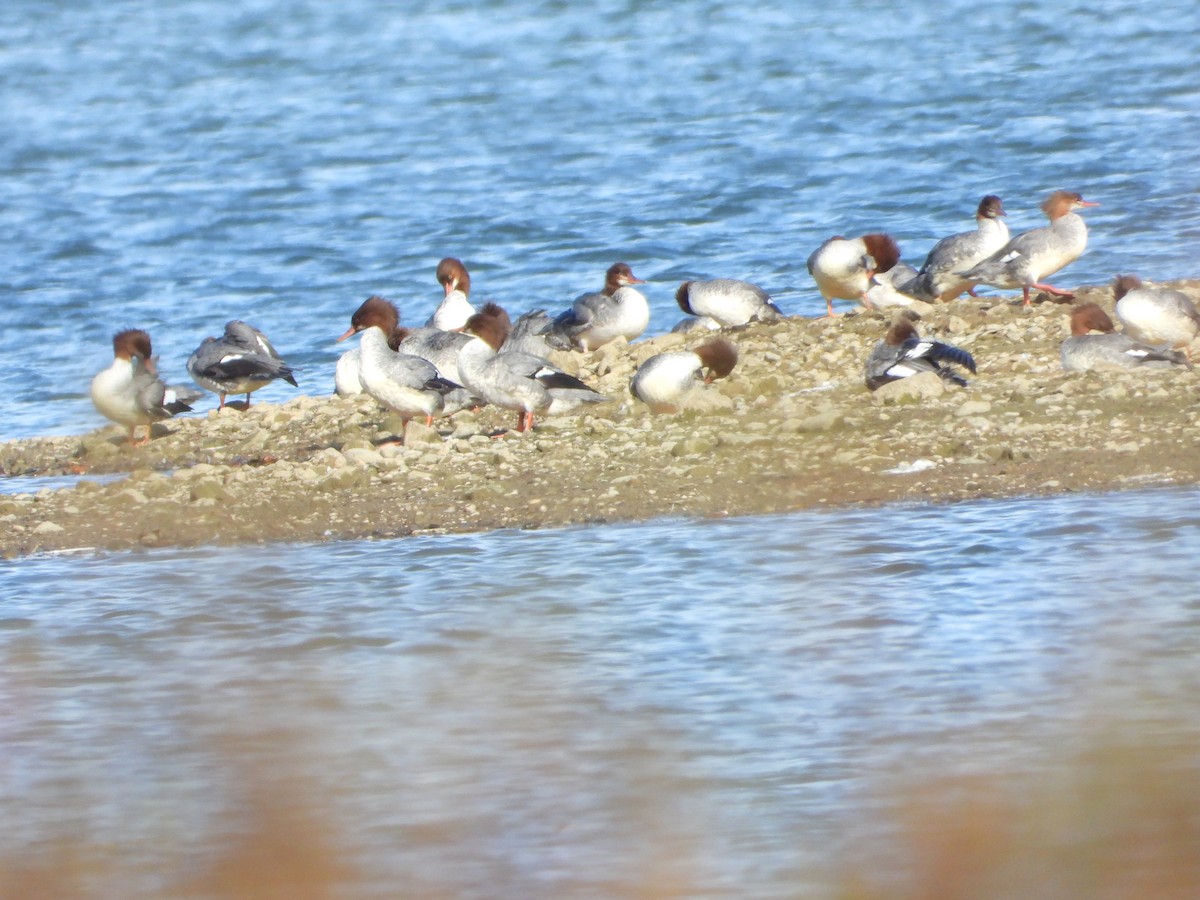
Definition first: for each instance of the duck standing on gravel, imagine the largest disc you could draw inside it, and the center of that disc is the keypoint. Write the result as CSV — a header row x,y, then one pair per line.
x,y
1037,254
903,352
843,267
239,362
406,384
727,301
1156,315
618,310
1110,350
940,278
522,382
454,310
667,381
130,392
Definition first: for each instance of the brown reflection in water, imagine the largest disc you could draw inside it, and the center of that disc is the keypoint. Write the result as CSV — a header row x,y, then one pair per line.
x,y
1119,821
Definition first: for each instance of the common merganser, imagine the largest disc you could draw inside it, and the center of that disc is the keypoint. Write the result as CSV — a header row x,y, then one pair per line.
x,y
890,288
1037,254
842,267
1156,315
903,352
130,392
619,310
939,277
727,301
454,310
1110,350
346,382
432,345
666,381
440,348
533,333
407,384
239,362
527,384
688,324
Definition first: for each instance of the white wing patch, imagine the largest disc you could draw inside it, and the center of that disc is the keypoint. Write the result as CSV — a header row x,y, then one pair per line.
x,y
903,370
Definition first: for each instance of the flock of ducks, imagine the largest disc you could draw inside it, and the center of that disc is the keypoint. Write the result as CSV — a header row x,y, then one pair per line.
x,y
465,357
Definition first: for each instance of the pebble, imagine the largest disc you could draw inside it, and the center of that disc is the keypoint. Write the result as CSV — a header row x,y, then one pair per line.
x,y
973,408
361,456
924,386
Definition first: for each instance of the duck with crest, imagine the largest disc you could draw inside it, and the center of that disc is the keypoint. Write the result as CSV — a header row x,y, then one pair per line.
x,y
527,384
903,352
1032,256
404,383
843,267
617,310
667,382
1110,350
1156,315
455,308
939,277
130,392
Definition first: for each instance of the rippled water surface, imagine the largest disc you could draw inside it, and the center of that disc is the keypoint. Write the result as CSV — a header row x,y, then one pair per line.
x,y
706,704
174,165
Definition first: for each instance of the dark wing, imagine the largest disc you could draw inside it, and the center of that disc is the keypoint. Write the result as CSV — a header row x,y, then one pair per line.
x,y
549,377
948,353
239,366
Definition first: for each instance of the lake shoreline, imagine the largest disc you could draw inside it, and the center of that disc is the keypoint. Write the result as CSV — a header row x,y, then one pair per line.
x,y
792,428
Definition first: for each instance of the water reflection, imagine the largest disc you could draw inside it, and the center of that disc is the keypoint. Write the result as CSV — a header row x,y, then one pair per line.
x,y
550,703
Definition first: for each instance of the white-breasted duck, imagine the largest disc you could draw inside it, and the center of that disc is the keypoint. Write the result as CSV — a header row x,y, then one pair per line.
x,y
939,279
727,301
842,267
617,310
130,392
1032,256
1156,315
406,384
527,384
455,308
667,382
1110,350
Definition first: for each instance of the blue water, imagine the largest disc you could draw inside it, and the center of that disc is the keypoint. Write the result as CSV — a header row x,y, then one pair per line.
x,y
562,712
172,166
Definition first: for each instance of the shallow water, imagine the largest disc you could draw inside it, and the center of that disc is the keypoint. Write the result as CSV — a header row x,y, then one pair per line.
x,y
173,166
584,710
